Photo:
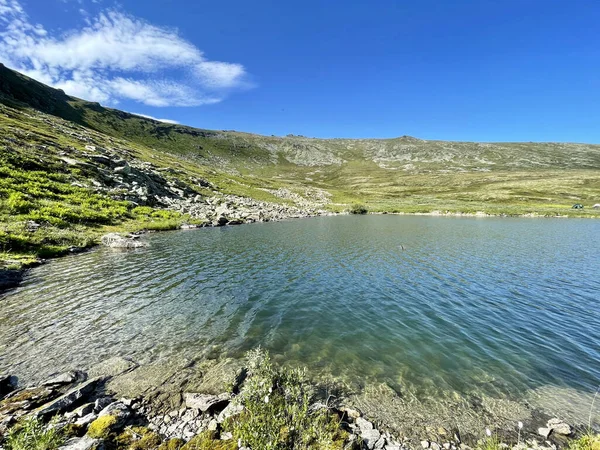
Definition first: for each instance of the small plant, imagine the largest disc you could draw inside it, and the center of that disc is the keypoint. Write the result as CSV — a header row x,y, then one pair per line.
x,y
33,434
279,412
490,442
358,209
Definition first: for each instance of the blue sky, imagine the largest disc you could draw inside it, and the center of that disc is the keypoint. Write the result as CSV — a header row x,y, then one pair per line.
x,y
483,70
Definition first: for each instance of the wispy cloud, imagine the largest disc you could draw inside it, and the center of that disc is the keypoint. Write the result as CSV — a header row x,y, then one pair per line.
x,y
116,57
145,116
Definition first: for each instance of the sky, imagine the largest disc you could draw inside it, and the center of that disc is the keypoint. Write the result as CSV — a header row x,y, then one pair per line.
x,y
467,70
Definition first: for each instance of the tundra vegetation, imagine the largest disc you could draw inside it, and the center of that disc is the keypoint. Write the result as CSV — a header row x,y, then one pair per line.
x,y
42,128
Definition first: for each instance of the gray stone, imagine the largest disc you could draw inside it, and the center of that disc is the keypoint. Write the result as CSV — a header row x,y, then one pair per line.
x,y
118,410
72,376
559,426
67,400
83,443
205,402
230,410
86,420
425,444
379,444
102,403
213,425
435,446
364,424
545,432
370,438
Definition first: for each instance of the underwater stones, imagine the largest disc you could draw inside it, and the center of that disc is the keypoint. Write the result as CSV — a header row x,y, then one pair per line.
x,y
117,240
205,402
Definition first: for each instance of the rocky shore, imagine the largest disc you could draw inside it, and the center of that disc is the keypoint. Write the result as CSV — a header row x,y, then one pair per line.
x,y
90,414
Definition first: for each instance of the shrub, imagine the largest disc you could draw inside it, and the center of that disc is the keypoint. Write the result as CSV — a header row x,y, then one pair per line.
x,y
278,413
358,209
32,434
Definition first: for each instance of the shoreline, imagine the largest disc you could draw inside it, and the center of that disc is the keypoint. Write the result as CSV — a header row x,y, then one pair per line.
x,y
11,278
193,401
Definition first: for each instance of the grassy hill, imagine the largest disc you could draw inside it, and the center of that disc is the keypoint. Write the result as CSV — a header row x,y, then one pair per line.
x,y
56,170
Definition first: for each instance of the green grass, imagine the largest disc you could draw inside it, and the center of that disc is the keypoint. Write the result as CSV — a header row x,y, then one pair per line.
x,y
33,434
402,175
277,410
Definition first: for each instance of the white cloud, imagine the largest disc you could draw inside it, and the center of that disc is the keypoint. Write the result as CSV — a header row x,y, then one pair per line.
x,y
116,57
173,122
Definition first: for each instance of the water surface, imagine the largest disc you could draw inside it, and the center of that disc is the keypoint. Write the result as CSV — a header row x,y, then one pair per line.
x,y
428,305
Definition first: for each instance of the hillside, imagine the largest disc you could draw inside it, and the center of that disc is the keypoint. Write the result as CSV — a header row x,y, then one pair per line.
x,y
72,170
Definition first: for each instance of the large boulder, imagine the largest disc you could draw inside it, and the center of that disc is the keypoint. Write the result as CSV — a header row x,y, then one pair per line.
x,y
66,401
206,402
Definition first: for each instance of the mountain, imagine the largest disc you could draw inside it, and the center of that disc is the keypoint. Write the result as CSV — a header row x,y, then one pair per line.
x,y
72,169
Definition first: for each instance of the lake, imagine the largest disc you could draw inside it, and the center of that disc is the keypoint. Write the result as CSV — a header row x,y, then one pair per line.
x,y
432,306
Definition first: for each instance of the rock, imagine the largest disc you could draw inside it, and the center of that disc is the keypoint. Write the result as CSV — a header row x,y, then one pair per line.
x,y
545,432
425,444
364,424
559,426
8,384
86,420
117,240
73,376
83,443
435,446
118,410
380,444
69,399
226,436
370,438
230,410
206,402
352,414
213,425
102,403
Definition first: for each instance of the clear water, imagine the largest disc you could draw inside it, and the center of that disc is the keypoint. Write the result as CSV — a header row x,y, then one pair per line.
x,y
424,304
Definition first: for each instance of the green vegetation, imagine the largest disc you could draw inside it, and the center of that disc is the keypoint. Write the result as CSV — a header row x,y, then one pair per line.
x,y
33,434
47,176
589,441
359,209
278,413
102,427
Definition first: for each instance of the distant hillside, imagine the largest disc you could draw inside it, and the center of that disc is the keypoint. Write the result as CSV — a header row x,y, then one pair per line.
x,y
77,168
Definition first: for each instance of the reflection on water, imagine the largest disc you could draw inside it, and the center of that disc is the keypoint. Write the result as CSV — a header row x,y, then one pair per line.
x,y
425,305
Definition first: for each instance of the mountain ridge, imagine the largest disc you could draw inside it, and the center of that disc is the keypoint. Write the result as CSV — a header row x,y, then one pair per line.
x,y
77,169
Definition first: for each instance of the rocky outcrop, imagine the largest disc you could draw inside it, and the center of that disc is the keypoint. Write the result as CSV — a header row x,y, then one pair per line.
x,y
125,241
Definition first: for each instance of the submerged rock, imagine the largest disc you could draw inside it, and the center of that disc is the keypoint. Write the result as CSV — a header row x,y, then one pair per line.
x,y
117,240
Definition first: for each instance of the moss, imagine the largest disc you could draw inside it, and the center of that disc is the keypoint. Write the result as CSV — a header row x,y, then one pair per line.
x,y
102,427
172,444
207,441
149,441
